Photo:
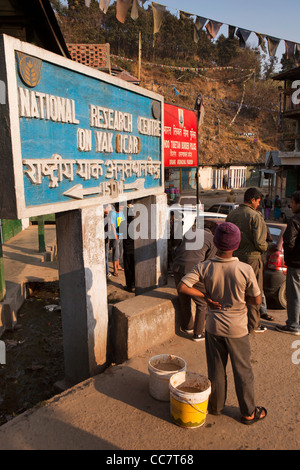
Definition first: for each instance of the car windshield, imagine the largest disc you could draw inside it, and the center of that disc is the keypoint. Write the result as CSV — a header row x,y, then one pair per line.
x,y
188,200
214,208
225,209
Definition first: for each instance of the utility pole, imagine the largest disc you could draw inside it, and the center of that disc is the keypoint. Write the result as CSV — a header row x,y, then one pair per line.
x,y
2,277
197,108
41,234
140,55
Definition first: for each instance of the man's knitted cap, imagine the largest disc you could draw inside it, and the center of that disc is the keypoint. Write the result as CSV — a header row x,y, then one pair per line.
x,y
227,237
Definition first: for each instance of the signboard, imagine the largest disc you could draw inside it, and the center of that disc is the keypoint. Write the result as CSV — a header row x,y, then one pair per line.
x,y
75,136
180,136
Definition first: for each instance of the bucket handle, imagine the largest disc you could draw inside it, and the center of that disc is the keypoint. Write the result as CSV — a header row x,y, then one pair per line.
x,y
195,407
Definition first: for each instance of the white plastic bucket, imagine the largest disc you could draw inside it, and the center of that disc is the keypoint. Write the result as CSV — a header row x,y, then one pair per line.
x,y
189,394
161,368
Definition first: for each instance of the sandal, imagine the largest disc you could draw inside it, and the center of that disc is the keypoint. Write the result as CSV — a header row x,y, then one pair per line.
x,y
115,274
266,316
257,416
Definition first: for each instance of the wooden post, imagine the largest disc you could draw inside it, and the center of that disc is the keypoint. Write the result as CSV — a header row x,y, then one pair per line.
x,y
2,277
197,108
140,56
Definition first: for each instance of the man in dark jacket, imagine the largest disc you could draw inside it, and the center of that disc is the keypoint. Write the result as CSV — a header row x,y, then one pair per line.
x,y
291,246
196,246
128,247
253,244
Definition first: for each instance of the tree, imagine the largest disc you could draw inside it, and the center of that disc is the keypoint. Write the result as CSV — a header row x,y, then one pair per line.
x,y
226,50
268,68
290,63
79,23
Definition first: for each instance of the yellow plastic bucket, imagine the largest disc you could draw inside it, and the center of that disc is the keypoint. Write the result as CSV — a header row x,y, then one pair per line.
x,y
161,368
189,394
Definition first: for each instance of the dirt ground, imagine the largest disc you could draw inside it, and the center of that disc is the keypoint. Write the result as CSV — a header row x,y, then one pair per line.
x,y
34,349
34,354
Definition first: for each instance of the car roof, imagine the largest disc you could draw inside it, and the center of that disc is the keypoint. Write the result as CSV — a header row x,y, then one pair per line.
x,y
276,224
190,210
224,204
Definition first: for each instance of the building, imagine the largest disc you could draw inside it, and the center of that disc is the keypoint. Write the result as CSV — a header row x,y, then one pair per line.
x,y
286,163
32,21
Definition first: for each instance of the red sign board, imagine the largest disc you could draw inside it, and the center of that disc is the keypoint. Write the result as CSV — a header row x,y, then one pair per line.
x,y
180,136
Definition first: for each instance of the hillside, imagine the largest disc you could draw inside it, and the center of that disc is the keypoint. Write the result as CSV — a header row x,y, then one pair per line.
x,y
223,73
227,135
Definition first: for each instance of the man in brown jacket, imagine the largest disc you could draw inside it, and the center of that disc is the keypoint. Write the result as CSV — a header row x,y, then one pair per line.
x,y
253,243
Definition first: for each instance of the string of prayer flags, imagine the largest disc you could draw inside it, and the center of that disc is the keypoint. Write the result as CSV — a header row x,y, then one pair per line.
x,y
273,44
198,25
213,28
158,16
243,36
103,5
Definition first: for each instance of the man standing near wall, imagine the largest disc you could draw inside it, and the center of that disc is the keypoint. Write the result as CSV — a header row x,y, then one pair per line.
x,y
291,246
253,243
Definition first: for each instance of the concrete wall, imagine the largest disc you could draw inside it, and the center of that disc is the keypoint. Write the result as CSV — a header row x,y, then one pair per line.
x,y
140,322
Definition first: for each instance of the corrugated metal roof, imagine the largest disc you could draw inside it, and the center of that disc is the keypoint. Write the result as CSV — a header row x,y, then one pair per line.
x,y
292,74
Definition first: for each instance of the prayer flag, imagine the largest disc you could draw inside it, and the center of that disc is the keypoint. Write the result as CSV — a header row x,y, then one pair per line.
x,y
199,23
184,16
289,49
243,35
158,16
134,10
231,31
213,28
122,9
103,5
273,43
261,40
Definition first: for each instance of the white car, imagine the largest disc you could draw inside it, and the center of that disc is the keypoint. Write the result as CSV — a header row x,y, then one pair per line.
x,y
187,202
223,207
184,218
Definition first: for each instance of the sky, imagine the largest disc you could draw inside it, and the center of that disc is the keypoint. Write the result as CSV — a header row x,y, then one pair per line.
x,y
279,18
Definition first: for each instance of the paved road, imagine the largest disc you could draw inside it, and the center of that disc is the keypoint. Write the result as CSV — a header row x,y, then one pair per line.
x,y
114,411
